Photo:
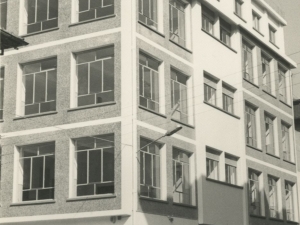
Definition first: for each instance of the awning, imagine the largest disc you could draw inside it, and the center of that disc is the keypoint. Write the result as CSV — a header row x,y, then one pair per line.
x,y
8,40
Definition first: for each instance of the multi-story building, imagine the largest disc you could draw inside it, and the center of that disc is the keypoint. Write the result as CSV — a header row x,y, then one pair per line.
x,y
86,106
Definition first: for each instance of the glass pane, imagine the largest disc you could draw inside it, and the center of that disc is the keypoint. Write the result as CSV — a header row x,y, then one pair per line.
x,y
108,73
3,15
51,85
48,106
178,177
32,109
47,64
86,57
81,167
49,171
108,164
155,86
148,169
105,52
83,190
144,191
104,141
143,102
83,5
46,194
105,97
37,172
176,93
95,3
143,59
106,188
146,8
105,11
154,192
175,21
29,195
28,79
141,81
31,11
31,68
87,15
26,173
147,83
141,167
85,143
156,171
83,77
49,24
95,166
46,148
53,9
96,77
30,150
41,13
86,100
40,87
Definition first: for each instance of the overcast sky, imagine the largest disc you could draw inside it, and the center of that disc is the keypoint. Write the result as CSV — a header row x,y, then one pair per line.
x,y
291,11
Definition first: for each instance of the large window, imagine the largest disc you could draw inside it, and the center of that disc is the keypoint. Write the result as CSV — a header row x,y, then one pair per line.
x,y
230,169
149,82
266,74
289,201
256,18
228,94
148,12
150,178
181,177
254,193
40,15
250,125
272,33
269,135
177,21
1,91
208,18
39,80
273,197
95,165
225,32
248,62
3,14
212,164
210,87
37,171
92,9
179,95
95,74
282,84
286,148
238,7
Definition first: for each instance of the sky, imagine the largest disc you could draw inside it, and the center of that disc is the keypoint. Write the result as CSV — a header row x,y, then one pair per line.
x,y
291,13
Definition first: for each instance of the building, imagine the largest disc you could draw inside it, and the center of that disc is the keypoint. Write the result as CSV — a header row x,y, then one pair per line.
x,y
84,104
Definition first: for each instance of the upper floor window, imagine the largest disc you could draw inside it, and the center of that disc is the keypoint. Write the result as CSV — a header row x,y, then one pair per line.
x,y
177,21
95,75
269,135
286,148
250,119
272,33
266,74
282,84
39,83
149,82
179,95
94,165
208,18
289,201
150,178
273,197
40,15
36,172
238,7
148,12
230,169
256,21
228,96
3,14
254,193
210,87
212,164
248,62
93,9
225,32
1,91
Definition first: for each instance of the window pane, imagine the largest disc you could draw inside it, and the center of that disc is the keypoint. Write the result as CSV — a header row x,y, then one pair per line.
x,y
105,188
53,9
41,12
47,106
95,3
29,195
95,77
108,73
155,86
40,87
49,24
83,190
104,141
51,85
26,173
156,171
147,83
49,171
105,52
95,166
148,169
3,14
37,172
28,79
83,5
105,11
105,97
31,11
85,57
85,143
83,84
108,164
46,194
81,167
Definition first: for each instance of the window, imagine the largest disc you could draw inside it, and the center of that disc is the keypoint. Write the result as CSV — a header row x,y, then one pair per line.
x,y
177,21
282,84
250,126
40,15
92,9
255,18
1,91
266,74
210,86
3,14
181,177
212,164
269,135
254,193
248,63
94,165
39,80
95,74
150,181
286,149
289,201
149,82
225,32
272,33
208,18
273,197
238,7
230,169
36,172
179,95
228,94
148,12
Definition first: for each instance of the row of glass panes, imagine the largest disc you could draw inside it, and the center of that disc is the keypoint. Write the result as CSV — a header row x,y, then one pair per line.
x,y
256,196
269,137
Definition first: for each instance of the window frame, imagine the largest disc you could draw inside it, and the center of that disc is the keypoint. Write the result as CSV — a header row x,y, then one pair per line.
x,y
228,98
256,21
238,7
3,14
208,20
272,34
273,189
248,72
266,75
289,192
225,32
282,84
153,20
285,142
257,195
269,120
252,113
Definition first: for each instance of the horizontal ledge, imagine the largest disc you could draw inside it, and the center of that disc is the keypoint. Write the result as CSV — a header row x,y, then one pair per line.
x,y
35,115
250,82
218,40
39,32
180,46
274,44
149,110
90,198
224,183
285,103
153,200
222,110
88,21
290,162
275,156
150,28
185,205
38,202
275,219
257,216
258,31
182,123
273,96
292,222
240,17
91,106
257,149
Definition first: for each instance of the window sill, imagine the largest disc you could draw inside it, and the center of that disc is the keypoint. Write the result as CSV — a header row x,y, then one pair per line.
x,y
224,183
154,200
91,197
276,219
219,40
222,110
257,216
92,20
258,31
35,115
250,82
275,156
149,110
274,44
180,46
150,28
269,94
239,17
38,202
1,121
257,149
182,123
91,106
290,162
285,104
185,205
39,32
292,222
